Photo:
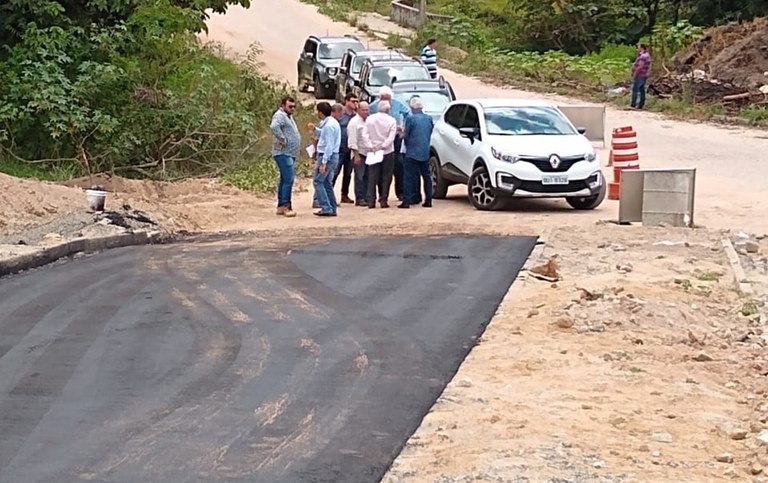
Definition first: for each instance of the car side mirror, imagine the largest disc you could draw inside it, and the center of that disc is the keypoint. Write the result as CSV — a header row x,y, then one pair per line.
x,y
581,130
308,55
469,132
343,69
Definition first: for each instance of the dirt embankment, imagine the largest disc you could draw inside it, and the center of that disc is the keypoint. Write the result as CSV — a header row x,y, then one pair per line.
x,y
728,64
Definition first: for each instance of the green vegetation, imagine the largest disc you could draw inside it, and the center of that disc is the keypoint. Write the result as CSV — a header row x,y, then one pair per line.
x,y
584,47
127,87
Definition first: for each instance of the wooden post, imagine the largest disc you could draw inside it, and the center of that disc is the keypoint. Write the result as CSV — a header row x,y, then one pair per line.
x,y
423,13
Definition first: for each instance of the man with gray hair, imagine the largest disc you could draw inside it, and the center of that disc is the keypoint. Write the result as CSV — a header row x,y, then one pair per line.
x,y
417,134
399,111
379,138
356,142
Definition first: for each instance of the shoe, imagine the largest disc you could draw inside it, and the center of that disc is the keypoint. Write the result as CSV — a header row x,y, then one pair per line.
x,y
385,205
289,213
280,210
404,205
361,203
315,206
371,206
346,199
320,213
427,204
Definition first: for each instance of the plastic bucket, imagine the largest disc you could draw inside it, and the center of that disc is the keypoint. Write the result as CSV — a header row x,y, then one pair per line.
x,y
95,199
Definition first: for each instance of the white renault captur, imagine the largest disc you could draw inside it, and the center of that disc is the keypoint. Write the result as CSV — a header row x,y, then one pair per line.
x,y
503,148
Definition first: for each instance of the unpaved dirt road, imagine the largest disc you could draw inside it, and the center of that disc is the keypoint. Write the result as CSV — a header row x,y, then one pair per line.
x,y
732,163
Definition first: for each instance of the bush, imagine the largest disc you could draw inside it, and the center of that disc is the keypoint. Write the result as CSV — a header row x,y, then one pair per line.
x,y
137,96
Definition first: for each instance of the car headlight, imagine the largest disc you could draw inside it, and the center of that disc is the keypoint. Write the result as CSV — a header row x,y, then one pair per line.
x,y
590,156
331,70
510,158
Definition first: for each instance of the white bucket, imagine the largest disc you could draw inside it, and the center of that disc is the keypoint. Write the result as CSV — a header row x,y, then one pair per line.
x,y
95,199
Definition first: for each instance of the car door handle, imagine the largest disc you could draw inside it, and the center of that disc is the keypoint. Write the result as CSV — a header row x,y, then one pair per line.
x,y
456,142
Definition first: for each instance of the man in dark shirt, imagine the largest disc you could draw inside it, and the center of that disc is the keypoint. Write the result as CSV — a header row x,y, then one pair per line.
x,y
416,136
347,112
640,71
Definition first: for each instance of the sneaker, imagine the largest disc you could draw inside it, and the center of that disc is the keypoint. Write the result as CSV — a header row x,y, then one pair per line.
x,y
280,210
289,213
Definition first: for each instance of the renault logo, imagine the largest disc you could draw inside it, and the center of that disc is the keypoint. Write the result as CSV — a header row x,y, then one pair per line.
x,y
554,161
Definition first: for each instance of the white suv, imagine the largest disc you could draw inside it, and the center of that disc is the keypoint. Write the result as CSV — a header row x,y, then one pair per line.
x,y
503,148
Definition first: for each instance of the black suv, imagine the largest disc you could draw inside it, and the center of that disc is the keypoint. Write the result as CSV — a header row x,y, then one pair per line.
x,y
319,62
378,73
352,63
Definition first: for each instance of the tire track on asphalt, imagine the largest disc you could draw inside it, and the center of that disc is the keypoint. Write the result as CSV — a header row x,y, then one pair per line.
x,y
38,388
15,325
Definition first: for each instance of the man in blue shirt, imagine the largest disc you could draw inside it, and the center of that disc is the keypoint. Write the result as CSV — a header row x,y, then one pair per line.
x,y
326,159
417,134
400,111
286,143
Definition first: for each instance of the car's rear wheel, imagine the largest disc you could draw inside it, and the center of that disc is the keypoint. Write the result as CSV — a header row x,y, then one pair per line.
x,y
439,185
591,202
301,85
481,193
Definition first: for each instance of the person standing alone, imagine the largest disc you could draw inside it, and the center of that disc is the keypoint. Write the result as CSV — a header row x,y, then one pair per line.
x,y
326,160
285,149
428,55
345,157
416,136
640,71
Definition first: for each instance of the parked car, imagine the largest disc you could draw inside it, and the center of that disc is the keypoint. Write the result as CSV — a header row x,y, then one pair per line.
x,y
352,63
436,94
504,148
377,73
319,63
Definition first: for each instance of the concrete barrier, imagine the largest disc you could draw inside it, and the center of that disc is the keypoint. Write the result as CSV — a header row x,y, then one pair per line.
x,y
590,117
406,15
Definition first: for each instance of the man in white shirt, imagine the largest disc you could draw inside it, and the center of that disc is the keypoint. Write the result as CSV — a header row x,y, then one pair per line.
x,y
380,131
356,144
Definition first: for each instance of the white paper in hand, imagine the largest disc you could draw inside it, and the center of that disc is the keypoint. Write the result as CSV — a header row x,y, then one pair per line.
x,y
375,157
311,150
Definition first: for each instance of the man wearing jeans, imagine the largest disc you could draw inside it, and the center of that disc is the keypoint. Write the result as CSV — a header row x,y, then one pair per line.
x,y
640,70
416,136
356,142
399,112
327,159
285,149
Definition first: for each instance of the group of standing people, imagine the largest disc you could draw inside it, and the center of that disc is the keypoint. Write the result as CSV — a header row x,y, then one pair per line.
x,y
370,143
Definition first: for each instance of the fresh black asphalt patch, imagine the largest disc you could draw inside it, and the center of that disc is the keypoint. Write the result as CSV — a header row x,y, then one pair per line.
x,y
223,361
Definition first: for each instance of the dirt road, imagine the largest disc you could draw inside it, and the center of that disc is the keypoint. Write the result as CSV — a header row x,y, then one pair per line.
x,y
732,163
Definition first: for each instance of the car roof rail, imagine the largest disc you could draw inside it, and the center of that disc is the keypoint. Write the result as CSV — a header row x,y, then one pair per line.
x,y
352,36
441,82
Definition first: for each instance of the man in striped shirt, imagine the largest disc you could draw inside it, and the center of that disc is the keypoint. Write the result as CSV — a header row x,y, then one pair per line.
x,y
429,57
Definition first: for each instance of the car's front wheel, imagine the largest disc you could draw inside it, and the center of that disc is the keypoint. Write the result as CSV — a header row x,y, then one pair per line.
x,y
439,185
320,91
591,202
481,193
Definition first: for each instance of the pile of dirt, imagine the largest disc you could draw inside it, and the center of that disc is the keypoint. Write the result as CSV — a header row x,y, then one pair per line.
x,y
730,60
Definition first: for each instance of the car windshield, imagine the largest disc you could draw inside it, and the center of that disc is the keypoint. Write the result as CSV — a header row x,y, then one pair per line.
x,y
382,76
434,101
336,50
527,121
357,64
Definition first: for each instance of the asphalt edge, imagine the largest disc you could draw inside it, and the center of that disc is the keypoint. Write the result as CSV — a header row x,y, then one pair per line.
x,y
741,282
53,253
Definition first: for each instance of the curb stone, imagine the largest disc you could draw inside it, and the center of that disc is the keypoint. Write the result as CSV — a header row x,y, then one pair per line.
x,y
52,253
740,278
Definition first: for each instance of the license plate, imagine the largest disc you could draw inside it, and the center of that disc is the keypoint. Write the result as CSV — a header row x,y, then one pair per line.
x,y
556,179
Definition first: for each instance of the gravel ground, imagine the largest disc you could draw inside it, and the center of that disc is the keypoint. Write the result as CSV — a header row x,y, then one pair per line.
x,y
79,224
